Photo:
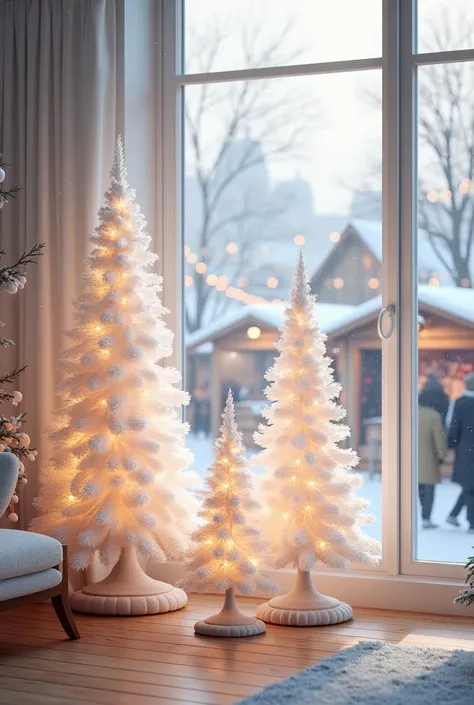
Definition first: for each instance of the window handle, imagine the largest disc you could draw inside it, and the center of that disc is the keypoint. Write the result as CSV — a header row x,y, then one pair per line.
x,y
385,311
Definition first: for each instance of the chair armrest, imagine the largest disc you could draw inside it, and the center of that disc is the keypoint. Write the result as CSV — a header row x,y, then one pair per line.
x,y
9,465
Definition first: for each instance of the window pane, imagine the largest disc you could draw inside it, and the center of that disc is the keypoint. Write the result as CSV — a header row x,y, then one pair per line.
x,y
445,25
221,36
446,312
270,166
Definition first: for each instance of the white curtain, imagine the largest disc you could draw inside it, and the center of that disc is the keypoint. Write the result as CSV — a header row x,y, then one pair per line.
x,y
57,130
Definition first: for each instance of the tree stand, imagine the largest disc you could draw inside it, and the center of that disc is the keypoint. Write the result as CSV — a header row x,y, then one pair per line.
x,y
230,621
304,606
128,590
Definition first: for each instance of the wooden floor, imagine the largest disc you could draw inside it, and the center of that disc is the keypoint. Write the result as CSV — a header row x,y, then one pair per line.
x,y
159,661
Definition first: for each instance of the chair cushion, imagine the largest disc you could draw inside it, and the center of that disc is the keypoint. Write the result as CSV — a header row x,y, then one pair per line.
x,y
23,552
29,584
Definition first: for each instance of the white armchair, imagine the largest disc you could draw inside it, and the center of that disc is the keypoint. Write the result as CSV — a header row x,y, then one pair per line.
x,y
30,563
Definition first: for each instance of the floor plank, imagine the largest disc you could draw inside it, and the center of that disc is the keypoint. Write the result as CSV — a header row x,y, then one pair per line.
x,y
159,661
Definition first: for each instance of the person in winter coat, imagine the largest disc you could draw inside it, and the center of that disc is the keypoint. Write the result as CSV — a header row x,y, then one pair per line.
x,y
432,450
433,395
461,439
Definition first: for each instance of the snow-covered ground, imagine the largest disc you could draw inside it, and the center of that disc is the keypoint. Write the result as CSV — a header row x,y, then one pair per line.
x,y
444,544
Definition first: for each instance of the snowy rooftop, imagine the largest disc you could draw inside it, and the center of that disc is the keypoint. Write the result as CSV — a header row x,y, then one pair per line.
x,y
456,302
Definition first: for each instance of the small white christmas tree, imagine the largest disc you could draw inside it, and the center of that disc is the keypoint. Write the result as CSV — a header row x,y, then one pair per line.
x,y
314,514
115,485
228,549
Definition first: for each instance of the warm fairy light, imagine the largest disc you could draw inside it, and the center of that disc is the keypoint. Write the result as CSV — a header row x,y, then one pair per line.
x,y
433,282
120,205
226,565
322,545
71,498
374,283
225,486
211,279
187,250
293,478
285,517
338,283
446,194
103,402
254,333
229,543
232,248
465,185
253,561
311,484
192,258
335,237
98,328
432,196
124,300
188,280
201,267
299,240
112,233
272,282
308,508
105,353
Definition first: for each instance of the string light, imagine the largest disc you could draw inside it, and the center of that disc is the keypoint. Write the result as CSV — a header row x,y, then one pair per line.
x,y
124,300
98,329
374,283
253,561
432,196
71,498
229,543
335,237
201,267
322,545
299,240
285,517
311,484
232,248
272,282
225,486
103,402
293,478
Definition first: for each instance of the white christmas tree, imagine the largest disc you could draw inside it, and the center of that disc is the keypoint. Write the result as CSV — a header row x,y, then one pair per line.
x,y
115,485
228,549
314,514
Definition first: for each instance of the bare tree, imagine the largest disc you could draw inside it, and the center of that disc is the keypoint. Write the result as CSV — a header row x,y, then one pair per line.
x,y
446,144
233,131
445,148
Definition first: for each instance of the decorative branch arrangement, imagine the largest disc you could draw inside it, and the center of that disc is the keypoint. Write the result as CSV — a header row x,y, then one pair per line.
x,y
12,439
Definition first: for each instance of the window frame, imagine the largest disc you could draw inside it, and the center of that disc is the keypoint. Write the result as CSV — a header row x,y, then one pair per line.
x,y
399,64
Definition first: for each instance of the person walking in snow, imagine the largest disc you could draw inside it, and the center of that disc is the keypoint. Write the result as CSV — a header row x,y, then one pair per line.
x,y
461,439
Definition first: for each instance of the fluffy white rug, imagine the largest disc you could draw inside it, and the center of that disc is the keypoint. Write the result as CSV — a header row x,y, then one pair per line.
x,y
373,673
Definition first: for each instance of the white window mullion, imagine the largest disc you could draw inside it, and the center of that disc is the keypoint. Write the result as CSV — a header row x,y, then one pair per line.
x,y
391,289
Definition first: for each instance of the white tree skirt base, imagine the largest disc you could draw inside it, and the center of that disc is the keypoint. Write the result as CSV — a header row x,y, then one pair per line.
x,y
223,630
169,601
305,618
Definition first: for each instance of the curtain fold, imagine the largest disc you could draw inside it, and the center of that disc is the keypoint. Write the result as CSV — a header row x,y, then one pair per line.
x,y
57,130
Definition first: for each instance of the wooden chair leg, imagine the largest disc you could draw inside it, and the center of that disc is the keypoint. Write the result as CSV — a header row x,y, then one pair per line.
x,y
65,616
61,603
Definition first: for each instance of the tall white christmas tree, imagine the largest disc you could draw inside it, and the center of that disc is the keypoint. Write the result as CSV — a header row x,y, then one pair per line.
x,y
116,482
228,549
314,514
